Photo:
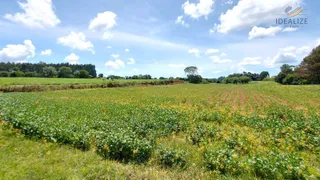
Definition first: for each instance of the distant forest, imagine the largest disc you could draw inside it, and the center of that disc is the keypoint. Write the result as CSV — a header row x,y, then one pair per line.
x,y
47,70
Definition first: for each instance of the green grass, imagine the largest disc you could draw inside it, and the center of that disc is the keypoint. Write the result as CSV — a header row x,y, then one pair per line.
x,y
222,131
56,81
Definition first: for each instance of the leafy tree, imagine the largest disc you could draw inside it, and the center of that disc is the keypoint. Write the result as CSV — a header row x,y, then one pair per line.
x,y
310,67
263,75
100,75
191,70
4,74
76,74
65,72
49,71
195,79
84,74
220,79
30,74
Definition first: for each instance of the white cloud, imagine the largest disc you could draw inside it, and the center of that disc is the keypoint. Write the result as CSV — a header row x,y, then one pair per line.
x,y
116,56
304,50
131,61
18,53
72,59
212,51
103,22
318,42
260,32
181,21
117,64
38,14
223,54
109,47
251,61
216,59
127,50
46,52
203,8
194,51
176,65
281,58
289,29
288,49
107,35
249,13
76,41
227,2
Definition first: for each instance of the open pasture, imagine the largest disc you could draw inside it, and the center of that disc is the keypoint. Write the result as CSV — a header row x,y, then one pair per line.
x,y
260,130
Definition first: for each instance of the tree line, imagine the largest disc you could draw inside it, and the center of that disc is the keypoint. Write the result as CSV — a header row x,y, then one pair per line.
x,y
61,70
307,72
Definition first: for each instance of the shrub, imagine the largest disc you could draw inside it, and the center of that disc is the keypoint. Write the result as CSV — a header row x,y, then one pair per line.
x,y
4,74
202,135
194,79
223,161
16,74
278,166
172,157
83,74
124,147
49,71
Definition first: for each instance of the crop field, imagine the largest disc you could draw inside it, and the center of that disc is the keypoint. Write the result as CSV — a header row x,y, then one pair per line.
x,y
212,131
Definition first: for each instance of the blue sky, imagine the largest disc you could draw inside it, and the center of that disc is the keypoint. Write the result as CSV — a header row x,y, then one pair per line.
x,y
159,38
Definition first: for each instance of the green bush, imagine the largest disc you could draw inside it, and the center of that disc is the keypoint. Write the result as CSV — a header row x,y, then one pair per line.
x,y
194,79
278,166
4,74
202,135
16,74
224,161
123,147
172,157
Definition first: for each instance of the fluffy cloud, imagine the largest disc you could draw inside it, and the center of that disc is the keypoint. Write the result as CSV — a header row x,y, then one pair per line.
x,y
18,53
37,14
176,65
117,64
131,61
212,51
223,54
72,59
289,29
203,8
46,52
103,22
76,41
260,32
181,21
251,61
281,58
249,13
127,50
293,49
116,56
227,2
194,51
109,47
216,59
216,72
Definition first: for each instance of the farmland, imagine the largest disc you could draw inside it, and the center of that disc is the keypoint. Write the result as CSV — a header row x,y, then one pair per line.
x,y
259,130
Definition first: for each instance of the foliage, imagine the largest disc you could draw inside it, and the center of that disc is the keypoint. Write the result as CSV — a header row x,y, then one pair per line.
x,y
38,67
195,79
83,74
172,157
191,70
274,165
65,72
263,75
310,67
224,161
100,75
49,71
4,74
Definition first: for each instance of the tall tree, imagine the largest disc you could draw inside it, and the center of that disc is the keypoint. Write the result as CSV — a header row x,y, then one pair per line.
x,y
263,75
191,70
310,66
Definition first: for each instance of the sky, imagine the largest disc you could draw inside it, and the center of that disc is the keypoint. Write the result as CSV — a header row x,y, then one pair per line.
x,y
159,37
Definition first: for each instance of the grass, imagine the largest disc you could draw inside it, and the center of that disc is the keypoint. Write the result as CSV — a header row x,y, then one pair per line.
x,y
222,131
56,81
